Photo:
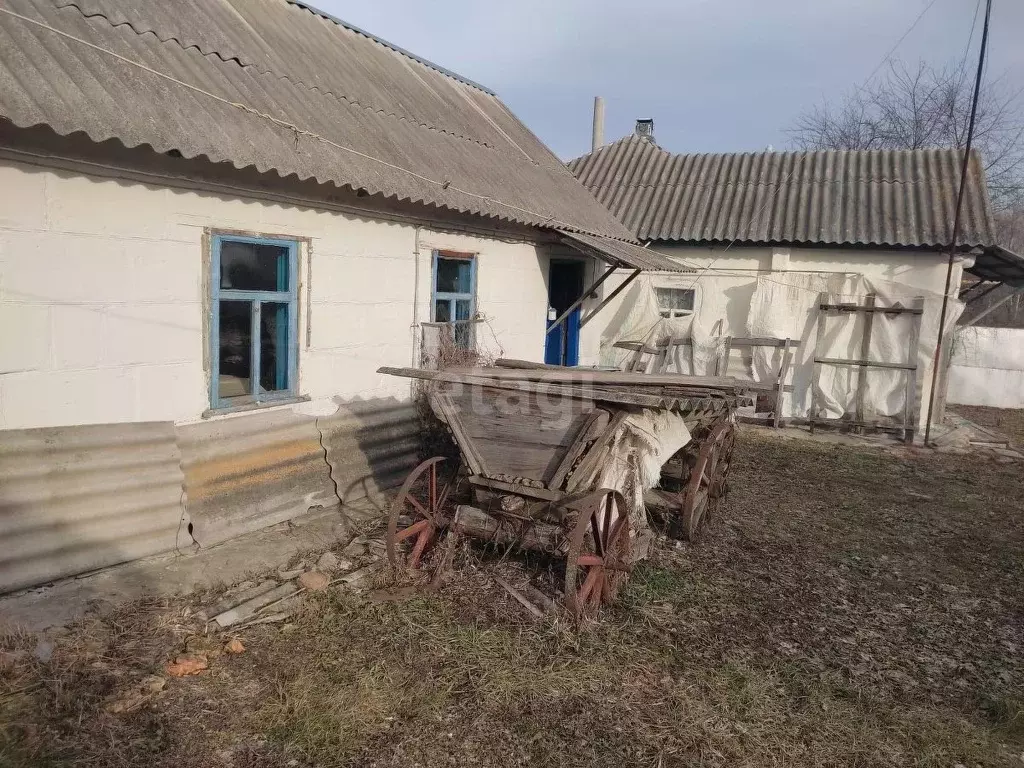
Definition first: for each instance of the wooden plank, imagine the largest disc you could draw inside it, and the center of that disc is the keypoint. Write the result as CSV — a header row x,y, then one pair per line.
x,y
442,405
819,343
787,353
664,355
517,433
863,363
593,457
594,426
523,490
913,396
588,376
722,368
865,353
853,307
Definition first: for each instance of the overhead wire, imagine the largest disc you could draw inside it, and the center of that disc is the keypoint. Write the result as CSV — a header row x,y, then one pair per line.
x,y
898,43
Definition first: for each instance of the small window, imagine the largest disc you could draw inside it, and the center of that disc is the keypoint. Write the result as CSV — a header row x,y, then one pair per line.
x,y
453,295
675,302
254,324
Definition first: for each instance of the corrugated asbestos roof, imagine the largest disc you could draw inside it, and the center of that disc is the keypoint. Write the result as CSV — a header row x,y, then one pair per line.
x,y
1000,265
277,86
877,198
620,254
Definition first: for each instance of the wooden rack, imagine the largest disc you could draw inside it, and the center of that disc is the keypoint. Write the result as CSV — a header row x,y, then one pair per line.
x,y
869,308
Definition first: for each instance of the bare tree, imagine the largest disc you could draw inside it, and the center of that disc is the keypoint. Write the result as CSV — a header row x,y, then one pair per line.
x,y
915,108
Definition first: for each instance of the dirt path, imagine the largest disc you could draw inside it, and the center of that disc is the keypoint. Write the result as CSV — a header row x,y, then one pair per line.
x,y
848,608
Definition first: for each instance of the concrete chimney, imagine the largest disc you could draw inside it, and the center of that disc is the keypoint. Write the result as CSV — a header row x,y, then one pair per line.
x,y
597,139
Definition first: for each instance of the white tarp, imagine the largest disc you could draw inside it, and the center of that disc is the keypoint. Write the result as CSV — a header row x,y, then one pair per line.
x,y
988,367
785,305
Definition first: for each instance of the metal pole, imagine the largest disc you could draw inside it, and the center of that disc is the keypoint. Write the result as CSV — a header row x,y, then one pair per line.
x,y
937,361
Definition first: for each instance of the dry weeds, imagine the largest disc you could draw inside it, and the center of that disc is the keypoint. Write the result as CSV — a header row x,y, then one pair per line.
x,y
849,608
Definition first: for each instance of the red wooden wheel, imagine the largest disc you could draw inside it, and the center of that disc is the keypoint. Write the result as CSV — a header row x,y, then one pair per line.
x,y
417,514
600,550
707,480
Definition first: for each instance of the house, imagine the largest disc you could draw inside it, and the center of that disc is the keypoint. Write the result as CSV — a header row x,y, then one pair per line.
x,y
218,218
772,235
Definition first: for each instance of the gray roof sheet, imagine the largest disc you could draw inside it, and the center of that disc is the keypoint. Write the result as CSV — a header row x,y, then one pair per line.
x,y
620,254
274,85
863,198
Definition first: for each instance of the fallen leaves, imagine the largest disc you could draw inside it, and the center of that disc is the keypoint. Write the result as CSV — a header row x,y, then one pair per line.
x,y
189,664
234,646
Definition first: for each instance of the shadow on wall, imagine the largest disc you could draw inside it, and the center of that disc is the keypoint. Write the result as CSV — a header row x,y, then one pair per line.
x,y
77,499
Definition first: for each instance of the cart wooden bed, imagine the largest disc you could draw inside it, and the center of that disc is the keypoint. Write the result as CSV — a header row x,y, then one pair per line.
x,y
529,436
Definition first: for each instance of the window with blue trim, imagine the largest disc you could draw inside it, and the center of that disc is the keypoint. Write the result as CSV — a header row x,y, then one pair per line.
x,y
453,298
254,324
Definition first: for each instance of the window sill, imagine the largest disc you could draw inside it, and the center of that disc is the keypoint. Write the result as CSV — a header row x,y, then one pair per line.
x,y
214,412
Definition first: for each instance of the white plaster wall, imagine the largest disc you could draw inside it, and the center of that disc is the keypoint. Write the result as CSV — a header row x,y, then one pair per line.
x,y
987,367
728,277
102,312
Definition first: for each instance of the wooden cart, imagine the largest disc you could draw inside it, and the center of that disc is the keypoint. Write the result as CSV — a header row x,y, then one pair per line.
x,y
533,439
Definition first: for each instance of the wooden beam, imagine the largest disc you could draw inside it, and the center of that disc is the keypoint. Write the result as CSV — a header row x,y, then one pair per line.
x,y
853,307
521,490
610,296
561,318
865,363
865,353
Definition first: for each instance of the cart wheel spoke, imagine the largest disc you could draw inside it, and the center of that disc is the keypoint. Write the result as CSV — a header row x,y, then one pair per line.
x,y
421,499
707,480
597,563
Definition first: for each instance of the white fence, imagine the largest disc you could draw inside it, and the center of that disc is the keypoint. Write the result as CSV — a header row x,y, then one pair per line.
x,y
988,367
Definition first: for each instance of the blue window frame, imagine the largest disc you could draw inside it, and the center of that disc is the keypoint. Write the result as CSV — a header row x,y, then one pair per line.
x,y
254,320
453,294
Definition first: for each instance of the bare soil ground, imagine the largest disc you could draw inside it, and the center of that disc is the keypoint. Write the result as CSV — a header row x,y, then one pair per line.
x,y
1009,421
848,608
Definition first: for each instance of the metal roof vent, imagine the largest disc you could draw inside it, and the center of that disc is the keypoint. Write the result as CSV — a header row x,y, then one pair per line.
x,y
645,128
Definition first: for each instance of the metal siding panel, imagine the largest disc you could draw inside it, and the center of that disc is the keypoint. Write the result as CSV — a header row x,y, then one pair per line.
x,y
75,499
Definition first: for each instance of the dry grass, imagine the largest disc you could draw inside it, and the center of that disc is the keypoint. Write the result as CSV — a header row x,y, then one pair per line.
x,y
849,608
1008,421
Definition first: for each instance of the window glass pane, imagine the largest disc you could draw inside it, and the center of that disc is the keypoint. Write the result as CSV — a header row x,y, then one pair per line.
x,y
235,364
442,311
463,331
273,347
454,275
675,298
253,267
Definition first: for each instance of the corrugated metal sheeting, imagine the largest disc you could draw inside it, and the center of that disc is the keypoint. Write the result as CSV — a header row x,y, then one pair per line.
x,y
272,85
878,198
74,499
622,254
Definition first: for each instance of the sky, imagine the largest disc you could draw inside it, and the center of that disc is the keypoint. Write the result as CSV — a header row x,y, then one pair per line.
x,y
715,75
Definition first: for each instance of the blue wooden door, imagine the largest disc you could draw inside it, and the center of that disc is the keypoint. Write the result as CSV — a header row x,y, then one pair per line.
x,y
565,286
